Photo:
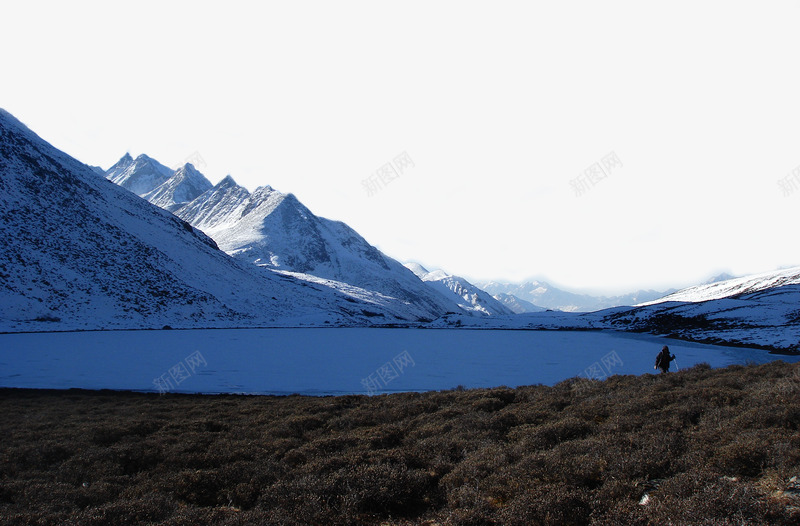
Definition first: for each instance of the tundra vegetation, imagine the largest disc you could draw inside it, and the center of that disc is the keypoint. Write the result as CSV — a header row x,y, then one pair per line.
x,y
700,446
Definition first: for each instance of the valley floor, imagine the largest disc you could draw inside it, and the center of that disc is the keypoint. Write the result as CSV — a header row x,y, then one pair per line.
x,y
701,446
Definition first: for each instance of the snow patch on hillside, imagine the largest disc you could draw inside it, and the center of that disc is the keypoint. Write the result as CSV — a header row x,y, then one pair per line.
x,y
734,286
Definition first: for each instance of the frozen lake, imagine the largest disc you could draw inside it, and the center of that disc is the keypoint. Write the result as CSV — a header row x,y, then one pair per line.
x,y
336,361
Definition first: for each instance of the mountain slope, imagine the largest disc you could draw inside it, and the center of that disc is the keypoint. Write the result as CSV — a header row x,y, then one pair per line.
x,y
275,230
769,318
217,207
758,310
734,286
79,252
185,185
469,297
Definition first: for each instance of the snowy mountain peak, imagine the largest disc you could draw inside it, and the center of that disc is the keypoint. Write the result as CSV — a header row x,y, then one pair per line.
x,y
140,176
120,166
217,207
265,194
185,185
226,182
143,160
417,269
189,171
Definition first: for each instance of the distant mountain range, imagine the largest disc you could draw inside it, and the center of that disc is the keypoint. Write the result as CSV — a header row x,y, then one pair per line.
x,y
542,295
469,297
761,310
517,305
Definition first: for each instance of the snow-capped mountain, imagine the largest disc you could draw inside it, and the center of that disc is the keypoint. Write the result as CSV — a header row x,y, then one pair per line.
x,y
185,185
542,294
726,288
517,305
469,297
162,186
218,207
275,230
80,252
140,175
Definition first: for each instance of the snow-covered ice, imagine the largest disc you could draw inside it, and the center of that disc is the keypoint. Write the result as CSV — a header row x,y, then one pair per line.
x,y
336,361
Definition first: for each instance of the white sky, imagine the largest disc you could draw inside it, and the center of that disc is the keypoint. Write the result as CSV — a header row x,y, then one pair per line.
x,y
499,104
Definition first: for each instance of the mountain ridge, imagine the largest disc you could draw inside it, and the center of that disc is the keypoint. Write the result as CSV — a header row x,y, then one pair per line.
x,y
732,286
275,230
185,185
139,175
469,297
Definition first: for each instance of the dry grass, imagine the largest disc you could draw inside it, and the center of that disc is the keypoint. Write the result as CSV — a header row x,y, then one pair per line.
x,y
705,446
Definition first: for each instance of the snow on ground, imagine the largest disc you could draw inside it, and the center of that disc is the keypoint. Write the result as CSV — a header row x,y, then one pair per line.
x,y
734,286
767,317
335,361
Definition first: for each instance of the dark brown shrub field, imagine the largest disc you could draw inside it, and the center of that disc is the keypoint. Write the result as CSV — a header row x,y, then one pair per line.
x,y
699,446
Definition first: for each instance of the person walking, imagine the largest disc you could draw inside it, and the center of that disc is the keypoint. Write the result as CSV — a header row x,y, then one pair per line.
x,y
663,359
